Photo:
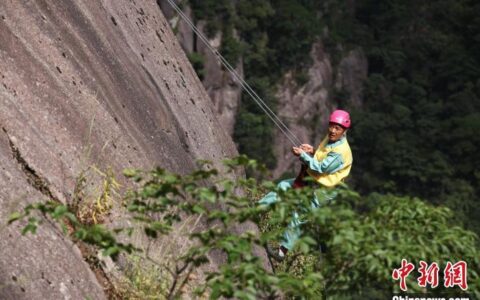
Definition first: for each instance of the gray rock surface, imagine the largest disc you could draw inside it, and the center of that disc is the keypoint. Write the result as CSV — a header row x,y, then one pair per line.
x,y
222,87
40,266
183,32
224,91
88,83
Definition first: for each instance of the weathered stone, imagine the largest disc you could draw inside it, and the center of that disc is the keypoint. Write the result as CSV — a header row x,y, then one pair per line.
x,y
88,83
221,86
184,33
44,265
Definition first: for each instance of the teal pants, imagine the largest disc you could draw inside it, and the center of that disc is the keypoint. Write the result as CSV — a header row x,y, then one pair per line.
x,y
293,232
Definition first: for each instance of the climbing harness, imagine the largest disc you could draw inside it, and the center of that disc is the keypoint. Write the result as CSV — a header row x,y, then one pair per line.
x,y
245,86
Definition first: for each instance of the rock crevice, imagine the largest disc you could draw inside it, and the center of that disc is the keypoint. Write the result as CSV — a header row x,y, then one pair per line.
x,y
32,177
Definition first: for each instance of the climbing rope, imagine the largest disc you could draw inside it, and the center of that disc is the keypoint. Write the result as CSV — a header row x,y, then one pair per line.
x,y
244,85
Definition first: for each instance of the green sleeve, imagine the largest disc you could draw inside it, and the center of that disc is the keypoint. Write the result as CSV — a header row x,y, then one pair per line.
x,y
330,164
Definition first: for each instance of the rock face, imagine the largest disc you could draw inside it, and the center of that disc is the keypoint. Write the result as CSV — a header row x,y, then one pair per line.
x,y
40,266
306,108
83,83
224,91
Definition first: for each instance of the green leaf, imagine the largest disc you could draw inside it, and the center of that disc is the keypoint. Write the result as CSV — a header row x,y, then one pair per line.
x,y
111,251
130,173
31,226
14,217
59,212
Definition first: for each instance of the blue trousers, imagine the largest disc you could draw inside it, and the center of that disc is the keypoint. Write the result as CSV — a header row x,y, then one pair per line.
x,y
293,231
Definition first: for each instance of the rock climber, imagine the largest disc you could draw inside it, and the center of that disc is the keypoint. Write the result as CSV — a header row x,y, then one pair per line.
x,y
328,166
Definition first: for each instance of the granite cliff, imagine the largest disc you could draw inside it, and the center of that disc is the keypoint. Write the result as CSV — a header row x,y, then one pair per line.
x,y
224,92
101,83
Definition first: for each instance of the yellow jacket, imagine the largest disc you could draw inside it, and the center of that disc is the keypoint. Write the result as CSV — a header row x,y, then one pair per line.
x,y
331,163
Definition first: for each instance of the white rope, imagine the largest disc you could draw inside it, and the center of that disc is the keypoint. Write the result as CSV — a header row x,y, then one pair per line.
x,y
276,120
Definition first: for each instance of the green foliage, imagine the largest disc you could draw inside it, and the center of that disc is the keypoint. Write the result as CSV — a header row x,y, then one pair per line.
x,y
231,47
363,239
217,12
250,124
253,128
417,133
391,229
292,31
198,63
93,234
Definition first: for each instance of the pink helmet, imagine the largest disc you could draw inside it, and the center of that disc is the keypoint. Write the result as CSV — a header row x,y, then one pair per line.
x,y
340,117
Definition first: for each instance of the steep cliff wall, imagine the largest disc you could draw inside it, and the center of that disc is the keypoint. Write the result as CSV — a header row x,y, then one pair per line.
x,y
83,83
220,85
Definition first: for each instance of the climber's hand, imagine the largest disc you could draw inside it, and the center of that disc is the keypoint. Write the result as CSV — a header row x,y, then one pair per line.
x,y
297,151
307,148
